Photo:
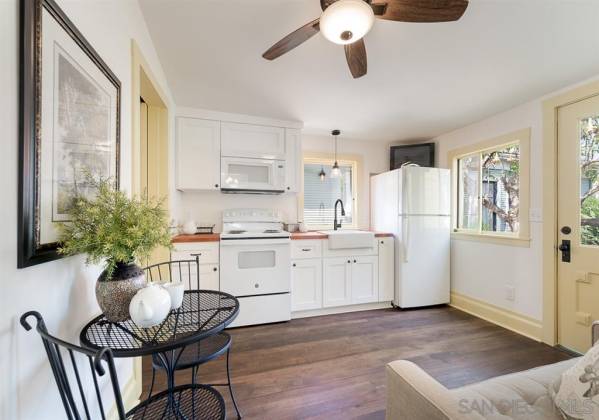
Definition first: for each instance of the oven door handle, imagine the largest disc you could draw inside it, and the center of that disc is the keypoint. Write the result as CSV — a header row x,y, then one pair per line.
x,y
252,242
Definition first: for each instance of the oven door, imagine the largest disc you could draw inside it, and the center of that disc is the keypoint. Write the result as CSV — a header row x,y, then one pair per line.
x,y
252,267
252,175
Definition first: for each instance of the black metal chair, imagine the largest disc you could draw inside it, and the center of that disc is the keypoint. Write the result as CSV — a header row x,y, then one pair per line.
x,y
209,348
189,401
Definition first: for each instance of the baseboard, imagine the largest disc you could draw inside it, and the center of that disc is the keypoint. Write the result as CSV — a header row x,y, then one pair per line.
x,y
505,318
340,309
130,392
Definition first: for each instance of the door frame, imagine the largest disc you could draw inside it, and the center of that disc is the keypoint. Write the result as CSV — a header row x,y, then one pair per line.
x,y
551,107
143,83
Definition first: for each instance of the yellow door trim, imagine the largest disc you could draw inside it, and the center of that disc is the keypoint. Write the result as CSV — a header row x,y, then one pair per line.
x,y
549,168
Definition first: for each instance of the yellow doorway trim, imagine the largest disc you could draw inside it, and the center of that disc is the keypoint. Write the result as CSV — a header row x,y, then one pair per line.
x,y
144,85
550,109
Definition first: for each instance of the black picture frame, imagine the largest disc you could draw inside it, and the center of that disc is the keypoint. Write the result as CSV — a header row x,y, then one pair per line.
x,y
30,250
422,154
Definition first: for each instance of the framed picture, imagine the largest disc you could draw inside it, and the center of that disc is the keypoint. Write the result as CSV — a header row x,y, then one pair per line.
x,y
422,154
69,125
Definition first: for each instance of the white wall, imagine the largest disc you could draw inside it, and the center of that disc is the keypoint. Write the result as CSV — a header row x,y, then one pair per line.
x,y
208,206
62,291
481,270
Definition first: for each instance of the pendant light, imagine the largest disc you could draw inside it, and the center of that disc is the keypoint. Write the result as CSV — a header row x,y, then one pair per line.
x,y
322,174
335,172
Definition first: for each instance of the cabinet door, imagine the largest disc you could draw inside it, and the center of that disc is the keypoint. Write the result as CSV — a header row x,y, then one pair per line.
x,y
364,279
197,154
293,153
306,284
253,141
386,269
209,277
336,281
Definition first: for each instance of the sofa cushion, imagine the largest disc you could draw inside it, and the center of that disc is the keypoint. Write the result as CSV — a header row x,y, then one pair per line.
x,y
578,395
522,395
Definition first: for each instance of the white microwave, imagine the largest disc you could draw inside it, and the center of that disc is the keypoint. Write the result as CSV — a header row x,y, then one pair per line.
x,y
253,176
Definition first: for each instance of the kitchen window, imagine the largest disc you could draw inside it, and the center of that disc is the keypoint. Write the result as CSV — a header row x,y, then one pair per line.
x,y
320,193
491,191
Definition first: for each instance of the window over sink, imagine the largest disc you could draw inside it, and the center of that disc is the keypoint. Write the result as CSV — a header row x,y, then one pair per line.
x,y
320,193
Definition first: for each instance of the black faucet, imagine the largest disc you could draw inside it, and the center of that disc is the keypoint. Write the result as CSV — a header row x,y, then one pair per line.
x,y
337,225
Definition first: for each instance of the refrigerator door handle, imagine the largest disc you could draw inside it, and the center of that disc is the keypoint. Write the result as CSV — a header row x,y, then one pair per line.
x,y
405,237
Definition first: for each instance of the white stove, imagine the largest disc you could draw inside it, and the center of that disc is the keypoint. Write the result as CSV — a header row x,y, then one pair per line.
x,y
252,224
255,260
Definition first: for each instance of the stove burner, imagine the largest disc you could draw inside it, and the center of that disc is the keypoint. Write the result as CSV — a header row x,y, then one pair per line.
x,y
236,232
272,231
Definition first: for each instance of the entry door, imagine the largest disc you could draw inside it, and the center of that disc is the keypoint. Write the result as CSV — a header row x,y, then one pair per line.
x,y
578,222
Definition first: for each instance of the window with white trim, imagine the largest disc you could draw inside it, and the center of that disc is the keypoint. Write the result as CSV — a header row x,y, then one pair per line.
x,y
491,191
320,193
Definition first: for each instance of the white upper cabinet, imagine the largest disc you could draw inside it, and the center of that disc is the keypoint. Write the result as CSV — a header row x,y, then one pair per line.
x,y
293,149
197,154
252,141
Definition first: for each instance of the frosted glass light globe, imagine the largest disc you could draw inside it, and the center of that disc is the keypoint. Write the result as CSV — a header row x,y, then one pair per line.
x,y
346,21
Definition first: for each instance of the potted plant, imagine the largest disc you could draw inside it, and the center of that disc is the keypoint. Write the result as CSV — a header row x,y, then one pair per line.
x,y
117,231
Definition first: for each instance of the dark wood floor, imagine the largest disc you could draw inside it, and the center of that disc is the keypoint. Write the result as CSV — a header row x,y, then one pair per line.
x,y
332,367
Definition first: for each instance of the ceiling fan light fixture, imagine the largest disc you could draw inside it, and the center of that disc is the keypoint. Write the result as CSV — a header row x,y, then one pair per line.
x,y
346,21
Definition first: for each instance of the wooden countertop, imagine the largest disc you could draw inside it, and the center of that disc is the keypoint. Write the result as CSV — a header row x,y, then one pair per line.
x,y
320,235
215,237
199,237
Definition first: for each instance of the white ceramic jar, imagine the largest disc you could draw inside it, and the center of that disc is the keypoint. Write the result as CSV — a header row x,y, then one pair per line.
x,y
150,306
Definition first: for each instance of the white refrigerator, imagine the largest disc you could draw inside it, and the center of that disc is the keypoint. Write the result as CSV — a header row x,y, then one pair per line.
x,y
414,204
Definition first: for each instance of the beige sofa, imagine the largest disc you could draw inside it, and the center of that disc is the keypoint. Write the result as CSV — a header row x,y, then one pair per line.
x,y
412,394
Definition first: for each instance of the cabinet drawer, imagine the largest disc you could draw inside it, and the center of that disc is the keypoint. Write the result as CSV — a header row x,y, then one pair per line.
x,y
302,248
208,253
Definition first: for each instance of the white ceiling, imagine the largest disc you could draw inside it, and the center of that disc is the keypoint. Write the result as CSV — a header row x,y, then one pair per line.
x,y
423,79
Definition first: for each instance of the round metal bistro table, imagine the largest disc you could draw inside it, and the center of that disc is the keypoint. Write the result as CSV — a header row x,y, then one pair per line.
x,y
202,314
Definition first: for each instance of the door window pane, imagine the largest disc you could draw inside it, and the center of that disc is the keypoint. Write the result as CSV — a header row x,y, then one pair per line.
x,y
501,186
589,181
469,171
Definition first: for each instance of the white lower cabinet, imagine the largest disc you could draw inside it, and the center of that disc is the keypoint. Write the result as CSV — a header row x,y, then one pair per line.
x,y
386,269
209,277
336,281
207,254
364,279
306,284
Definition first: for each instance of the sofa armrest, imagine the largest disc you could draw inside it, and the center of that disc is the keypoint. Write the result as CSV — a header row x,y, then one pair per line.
x,y
412,394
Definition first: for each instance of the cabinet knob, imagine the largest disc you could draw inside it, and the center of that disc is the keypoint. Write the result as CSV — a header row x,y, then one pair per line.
x,y
382,242
294,264
256,285
288,188
348,261
215,185
354,260
215,269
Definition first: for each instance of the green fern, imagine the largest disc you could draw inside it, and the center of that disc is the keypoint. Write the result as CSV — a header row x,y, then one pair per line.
x,y
114,228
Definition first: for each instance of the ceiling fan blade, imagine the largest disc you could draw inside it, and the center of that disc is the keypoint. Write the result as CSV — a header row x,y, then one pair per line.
x,y
292,40
421,10
356,58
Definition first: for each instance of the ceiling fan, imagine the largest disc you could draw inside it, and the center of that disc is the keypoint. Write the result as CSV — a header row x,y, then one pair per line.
x,y
345,22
